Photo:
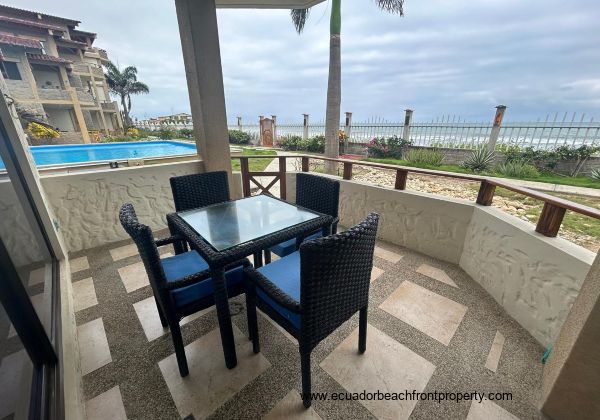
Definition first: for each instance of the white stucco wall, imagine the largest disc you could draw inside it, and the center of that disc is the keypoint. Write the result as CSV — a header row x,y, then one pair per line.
x,y
533,277
87,204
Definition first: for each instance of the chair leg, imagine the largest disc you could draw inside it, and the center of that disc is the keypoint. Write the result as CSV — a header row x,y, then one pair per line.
x,y
305,367
163,319
362,330
252,321
267,256
179,349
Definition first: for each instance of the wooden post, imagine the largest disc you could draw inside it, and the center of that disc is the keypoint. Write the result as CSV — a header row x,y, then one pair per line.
x,y
496,127
486,193
282,180
305,127
305,167
347,170
245,169
550,220
401,176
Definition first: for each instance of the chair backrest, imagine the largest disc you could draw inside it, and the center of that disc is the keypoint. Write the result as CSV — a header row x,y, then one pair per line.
x,y
144,239
336,274
199,190
318,193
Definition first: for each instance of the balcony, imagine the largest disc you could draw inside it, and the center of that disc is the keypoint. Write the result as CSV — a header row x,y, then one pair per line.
x,y
54,94
109,106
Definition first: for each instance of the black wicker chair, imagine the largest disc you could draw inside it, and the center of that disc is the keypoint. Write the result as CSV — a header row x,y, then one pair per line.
x,y
316,193
181,283
311,292
199,190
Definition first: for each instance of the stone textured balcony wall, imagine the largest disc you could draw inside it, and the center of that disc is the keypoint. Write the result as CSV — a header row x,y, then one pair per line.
x,y
84,96
54,94
19,89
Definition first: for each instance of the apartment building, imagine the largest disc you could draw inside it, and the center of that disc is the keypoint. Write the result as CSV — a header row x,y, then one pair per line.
x,y
177,121
54,74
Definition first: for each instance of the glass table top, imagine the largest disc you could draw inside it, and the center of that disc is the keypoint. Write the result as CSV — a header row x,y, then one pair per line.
x,y
226,225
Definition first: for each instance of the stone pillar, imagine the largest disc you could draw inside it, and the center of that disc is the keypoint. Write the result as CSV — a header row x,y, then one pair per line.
x,y
407,123
79,116
496,127
347,130
305,127
571,377
260,131
274,118
239,123
202,59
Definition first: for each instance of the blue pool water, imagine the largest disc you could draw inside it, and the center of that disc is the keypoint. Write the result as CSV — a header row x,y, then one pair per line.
x,y
78,153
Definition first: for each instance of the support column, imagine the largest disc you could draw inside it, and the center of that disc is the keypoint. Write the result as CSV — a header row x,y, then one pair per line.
x,y
305,128
239,123
274,118
496,127
407,123
202,59
347,130
85,134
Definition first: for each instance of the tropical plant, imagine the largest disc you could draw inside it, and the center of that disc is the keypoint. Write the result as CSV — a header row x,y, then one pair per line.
x,y
427,157
595,174
124,84
133,132
392,147
292,143
166,133
315,144
518,169
186,133
479,160
239,137
39,131
334,85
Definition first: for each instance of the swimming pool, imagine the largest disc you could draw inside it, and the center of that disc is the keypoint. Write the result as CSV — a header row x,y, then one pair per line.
x,y
80,153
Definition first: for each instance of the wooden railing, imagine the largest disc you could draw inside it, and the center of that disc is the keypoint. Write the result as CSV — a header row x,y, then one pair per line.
x,y
548,224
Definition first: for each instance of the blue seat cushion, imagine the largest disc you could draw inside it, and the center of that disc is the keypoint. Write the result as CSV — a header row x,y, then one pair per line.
x,y
287,247
285,274
187,263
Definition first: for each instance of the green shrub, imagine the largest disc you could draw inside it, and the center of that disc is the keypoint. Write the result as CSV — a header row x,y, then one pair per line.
x,y
595,174
239,137
165,133
392,147
186,133
429,157
518,169
480,160
292,143
121,139
315,144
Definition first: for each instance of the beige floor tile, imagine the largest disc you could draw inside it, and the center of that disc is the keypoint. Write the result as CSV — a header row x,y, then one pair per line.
x,y
495,352
123,252
79,264
290,407
436,274
84,294
430,313
147,313
94,351
278,327
37,276
488,410
375,273
387,255
108,405
210,383
386,366
11,376
134,276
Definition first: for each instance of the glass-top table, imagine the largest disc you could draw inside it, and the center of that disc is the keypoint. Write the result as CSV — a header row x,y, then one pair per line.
x,y
232,223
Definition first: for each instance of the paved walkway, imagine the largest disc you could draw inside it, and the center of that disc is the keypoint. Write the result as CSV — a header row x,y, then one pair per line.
x,y
431,329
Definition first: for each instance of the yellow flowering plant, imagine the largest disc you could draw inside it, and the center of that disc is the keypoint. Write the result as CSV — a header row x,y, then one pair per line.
x,y
39,131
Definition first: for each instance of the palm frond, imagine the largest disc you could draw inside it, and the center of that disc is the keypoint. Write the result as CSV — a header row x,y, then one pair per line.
x,y
138,87
299,17
391,6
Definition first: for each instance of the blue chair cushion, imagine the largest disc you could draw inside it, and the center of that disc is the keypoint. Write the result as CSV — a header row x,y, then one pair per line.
x,y
287,247
285,274
187,263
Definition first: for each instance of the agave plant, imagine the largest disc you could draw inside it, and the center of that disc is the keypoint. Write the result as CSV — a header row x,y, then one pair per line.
x,y
595,174
480,160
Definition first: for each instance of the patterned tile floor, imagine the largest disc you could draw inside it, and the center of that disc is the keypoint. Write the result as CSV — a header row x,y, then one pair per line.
x,y
431,328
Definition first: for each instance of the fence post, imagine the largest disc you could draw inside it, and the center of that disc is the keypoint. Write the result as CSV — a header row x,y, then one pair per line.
x,y
496,127
347,130
305,127
407,122
260,132
239,123
274,118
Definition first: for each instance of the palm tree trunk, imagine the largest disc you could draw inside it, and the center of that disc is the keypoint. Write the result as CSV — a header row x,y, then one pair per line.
x,y
334,89
125,111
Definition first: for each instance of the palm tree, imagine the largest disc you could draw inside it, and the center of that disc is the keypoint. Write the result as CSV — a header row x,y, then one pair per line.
x,y
124,84
334,84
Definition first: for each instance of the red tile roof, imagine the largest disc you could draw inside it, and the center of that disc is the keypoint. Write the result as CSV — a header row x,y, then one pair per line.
x,y
70,41
21,42
49,58
31,12
30,23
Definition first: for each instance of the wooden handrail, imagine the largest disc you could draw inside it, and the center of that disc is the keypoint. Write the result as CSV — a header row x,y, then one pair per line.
x,y
548,224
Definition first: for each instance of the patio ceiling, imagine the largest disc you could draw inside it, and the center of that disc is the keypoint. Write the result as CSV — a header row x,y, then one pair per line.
x,y
267,4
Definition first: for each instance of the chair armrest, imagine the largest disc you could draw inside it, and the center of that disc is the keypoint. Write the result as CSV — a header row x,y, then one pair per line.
x,y
274,292
200,276
169,240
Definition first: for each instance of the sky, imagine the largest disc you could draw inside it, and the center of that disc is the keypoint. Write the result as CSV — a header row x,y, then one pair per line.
x,y
459,57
